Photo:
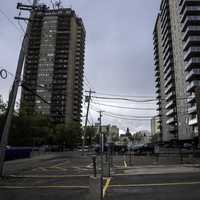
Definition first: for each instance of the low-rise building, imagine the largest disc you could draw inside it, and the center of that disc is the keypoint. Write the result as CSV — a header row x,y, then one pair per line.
x,y
155,129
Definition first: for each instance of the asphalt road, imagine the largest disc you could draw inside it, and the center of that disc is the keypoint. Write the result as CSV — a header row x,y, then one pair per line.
x,y
60,176
54,176
155,187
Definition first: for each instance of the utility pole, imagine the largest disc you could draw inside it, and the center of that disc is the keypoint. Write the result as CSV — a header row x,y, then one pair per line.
x,y
101,143
88,99
197,94
14,90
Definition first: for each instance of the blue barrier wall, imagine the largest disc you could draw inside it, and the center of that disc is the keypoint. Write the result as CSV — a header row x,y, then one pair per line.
x,y
17,153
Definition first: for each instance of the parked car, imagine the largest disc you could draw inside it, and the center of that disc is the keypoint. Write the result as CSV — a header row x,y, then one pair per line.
x,y
187,146
143,148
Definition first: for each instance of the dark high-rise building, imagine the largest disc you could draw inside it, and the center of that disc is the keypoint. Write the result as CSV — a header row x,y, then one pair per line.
x,y
54,64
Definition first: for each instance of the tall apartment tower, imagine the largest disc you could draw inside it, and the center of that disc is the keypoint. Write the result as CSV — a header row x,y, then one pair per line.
x,y
190,20
54,64
171,76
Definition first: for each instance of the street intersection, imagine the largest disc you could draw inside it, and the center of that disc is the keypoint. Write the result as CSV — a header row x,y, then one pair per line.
x,y
66,175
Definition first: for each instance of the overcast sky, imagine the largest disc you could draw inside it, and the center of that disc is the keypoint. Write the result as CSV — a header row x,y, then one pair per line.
x,y
119,51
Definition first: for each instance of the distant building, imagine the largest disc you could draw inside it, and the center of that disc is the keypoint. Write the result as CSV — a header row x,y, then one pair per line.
x,y
142,137
54,65
110,131
155,128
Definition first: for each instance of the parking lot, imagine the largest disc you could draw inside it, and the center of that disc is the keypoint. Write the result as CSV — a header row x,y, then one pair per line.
x,y
66,175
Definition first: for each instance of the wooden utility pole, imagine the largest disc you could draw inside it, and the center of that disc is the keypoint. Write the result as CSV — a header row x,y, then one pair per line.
x,y
88,99
13,93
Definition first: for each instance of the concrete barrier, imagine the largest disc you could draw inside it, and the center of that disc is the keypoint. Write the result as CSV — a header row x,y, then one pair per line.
x,y
95,188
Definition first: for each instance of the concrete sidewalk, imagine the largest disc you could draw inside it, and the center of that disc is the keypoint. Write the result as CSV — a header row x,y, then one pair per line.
x,y
159,169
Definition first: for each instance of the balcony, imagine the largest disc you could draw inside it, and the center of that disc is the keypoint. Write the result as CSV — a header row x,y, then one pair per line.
x,y
192,85
168,48
193,74
183,5
170,104
167,57
190,20
170,96
191,99
158,96
158,90
170,112
166,34
192,63
163,4
170,120
192,52
158,103
156,66
157,73
165,29
158,84
181,2
191,30
168,65
168,81
193,40
189,10
155,40
164,13
168,73
157,78
169,88
165,22
192,109
166,42
193,121
159,108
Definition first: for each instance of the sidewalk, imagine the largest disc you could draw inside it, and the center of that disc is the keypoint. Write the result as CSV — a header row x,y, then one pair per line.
x,y
159,169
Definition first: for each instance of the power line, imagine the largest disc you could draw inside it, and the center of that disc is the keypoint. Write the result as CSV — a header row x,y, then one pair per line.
x,y
124,99
133,116
121,95
124,118
88,83
135,100
121,115
9,20
123,107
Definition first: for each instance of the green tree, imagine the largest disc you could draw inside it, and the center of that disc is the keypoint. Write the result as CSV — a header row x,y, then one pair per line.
x,y
30,130
67,135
